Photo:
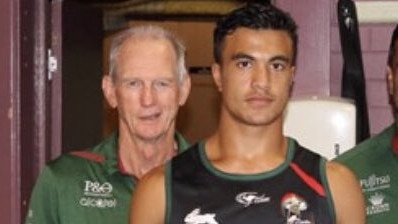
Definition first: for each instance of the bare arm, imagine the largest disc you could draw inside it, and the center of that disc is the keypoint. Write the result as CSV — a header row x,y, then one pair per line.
x,y
347,195
149,199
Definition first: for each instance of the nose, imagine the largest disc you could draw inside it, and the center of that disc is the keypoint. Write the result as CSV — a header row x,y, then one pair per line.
x,y
148,96
261,78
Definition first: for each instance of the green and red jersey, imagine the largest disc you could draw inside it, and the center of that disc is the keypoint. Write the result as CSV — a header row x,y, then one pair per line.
x,y
376,166
85,187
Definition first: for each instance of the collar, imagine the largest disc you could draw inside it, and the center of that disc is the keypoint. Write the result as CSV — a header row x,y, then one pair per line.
x,y
182,145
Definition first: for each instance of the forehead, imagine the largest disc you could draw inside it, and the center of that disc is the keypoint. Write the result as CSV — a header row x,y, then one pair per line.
x,y
262,40
143,55
146,45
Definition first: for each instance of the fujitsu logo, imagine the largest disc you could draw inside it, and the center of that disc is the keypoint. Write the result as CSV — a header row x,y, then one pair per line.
x,y
374,182
96,188
250,198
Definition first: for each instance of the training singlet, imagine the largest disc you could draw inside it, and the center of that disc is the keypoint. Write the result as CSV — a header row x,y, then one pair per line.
x,y
296,192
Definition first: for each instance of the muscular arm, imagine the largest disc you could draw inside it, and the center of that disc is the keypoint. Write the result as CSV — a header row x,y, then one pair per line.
x,y
347,195
149,199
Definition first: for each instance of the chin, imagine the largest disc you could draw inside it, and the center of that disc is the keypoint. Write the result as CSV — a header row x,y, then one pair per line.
x,y
150,134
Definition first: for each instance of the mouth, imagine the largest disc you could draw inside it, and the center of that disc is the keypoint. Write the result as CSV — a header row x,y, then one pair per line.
x,y
259,100
150,117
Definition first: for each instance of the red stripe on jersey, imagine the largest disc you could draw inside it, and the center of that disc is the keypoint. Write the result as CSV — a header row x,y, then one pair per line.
x,y
310,181
89,156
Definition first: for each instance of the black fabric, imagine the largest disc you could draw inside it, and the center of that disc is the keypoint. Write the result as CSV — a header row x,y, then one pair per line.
x,y
353,80
197,190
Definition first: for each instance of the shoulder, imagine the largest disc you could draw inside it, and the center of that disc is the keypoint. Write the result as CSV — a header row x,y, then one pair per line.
x,y
367,151
97,154
346,193
341,180
339,176
73,163
155,176
149,199
336,171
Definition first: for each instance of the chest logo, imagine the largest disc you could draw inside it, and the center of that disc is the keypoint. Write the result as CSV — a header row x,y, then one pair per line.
x,y
97,195
375,183
251,198
195,217
377,204
98,189
293,206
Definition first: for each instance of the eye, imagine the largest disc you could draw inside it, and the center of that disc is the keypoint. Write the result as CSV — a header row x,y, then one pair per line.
x,y
244,64
279,66
133,83
161,84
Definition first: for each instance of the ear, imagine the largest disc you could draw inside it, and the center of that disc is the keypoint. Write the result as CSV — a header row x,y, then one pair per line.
x,y
390,81
216,73
109,91
292,75
185,89
291,81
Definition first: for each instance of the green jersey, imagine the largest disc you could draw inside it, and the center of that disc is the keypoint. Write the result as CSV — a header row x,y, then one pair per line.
x,y
85,187
376,167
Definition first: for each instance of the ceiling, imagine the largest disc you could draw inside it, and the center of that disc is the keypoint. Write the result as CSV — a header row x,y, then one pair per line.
x,y
118,12
165,7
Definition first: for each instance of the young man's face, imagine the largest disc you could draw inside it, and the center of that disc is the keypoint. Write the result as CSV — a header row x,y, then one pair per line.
x,y
392,78
255,75
146,90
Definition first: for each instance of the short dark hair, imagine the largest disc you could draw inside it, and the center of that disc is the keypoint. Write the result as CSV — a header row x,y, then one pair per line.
x,y
393,46
254,16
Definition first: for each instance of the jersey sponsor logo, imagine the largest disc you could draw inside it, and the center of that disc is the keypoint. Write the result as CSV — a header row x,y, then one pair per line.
x,y
251,198
373,186
98,202
373,183
194,217
292,207
377,204
97,195
97,189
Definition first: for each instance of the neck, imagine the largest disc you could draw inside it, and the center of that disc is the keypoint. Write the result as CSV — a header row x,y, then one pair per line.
x,y
263,136
245,142
139,156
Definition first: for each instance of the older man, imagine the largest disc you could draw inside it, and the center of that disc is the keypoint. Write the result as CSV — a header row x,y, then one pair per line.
x,y
147,83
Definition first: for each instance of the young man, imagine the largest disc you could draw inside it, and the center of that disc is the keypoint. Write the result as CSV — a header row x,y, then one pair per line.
x,y
375,161
147,83
247,171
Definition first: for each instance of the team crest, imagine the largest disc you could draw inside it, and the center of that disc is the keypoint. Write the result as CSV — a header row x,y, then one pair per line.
x,y
195,217
292,207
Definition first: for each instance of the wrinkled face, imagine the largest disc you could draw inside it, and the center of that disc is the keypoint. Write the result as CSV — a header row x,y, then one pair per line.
x,y
392,79
146,90
255,75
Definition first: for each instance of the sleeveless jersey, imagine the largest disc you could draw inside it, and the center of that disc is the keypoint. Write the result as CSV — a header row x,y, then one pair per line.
x,y
296,192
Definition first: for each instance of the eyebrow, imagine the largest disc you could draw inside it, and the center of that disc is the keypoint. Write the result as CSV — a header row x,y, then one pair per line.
x,y
246,56
242,56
